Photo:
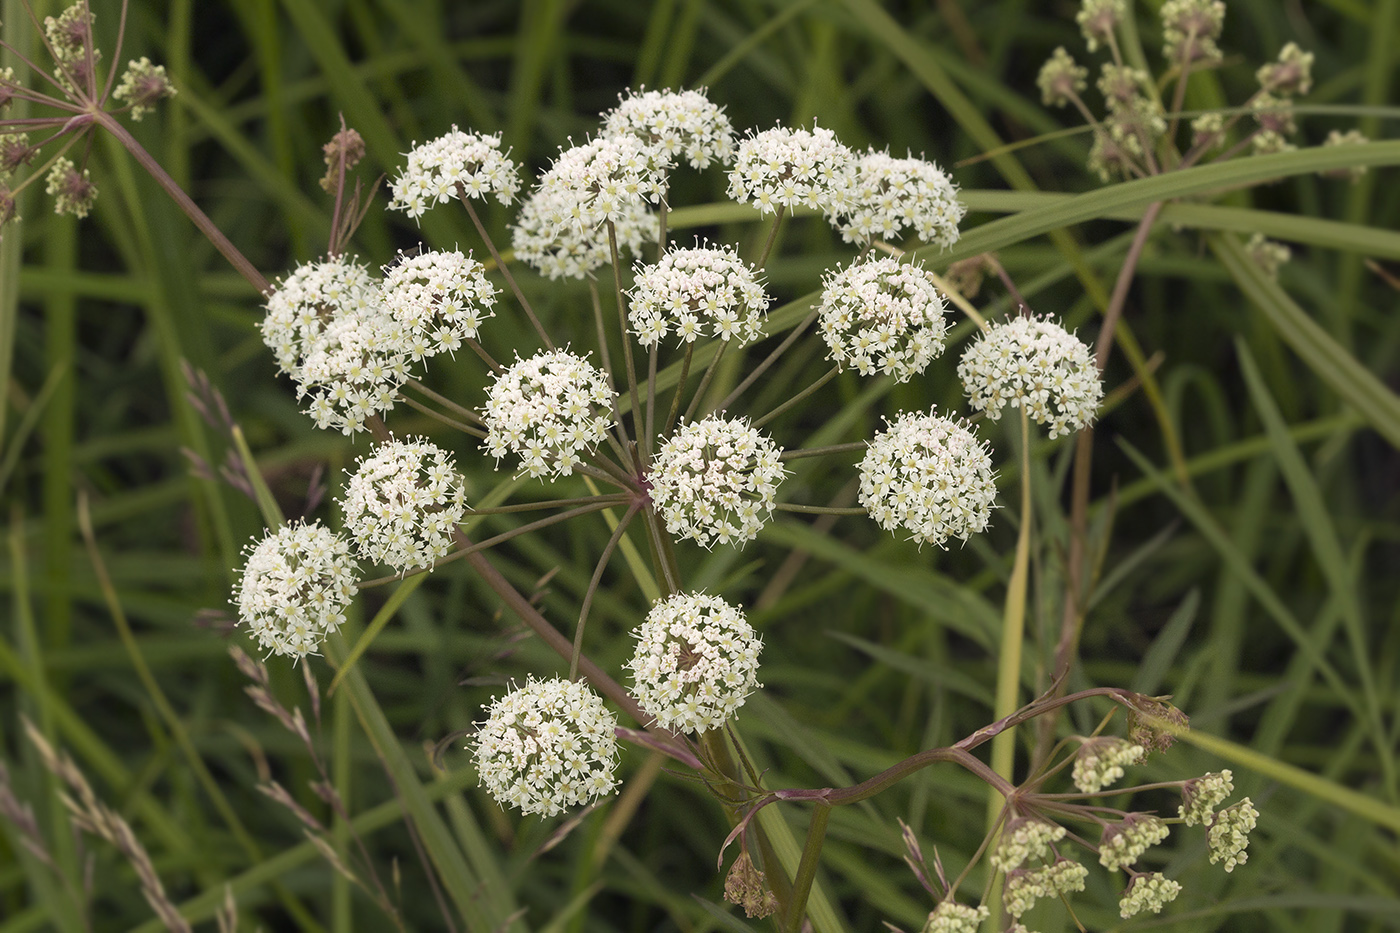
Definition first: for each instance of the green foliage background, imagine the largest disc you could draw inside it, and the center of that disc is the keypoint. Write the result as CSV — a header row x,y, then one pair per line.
x,y
1265,597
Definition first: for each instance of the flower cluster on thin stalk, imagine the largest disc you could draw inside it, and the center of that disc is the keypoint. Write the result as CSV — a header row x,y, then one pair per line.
x,y
403,503
85,98
1137,135
295,585
883,316
698,292
548,410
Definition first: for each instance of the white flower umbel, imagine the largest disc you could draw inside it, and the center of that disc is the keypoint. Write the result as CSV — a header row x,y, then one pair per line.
x,y
715,480
1229,834
1147,892
547,746
1025,840
604,179
701,291
679,123
883,316
548,410
1034,364
1125,841
328,327
441,297
403,503
1101,761
437,167
930,476
568,251
294,588
891,194
1200,796
696,662
789,168
952,917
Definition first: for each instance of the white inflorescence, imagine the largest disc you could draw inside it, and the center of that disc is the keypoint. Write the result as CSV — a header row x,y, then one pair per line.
x,y
790,168
891,194
930,476
1147,892
1125,841
547,746
1229,834
679,123
604,179
331,332
952,917
441,297
715,480
1025,840
1200,796
437,167
1101,761
295,587
698,292
568,251
1025,886
547,410
696,662
403,503
883,316
1035,364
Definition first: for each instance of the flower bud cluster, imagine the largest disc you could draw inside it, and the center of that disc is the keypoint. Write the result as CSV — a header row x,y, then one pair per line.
x,y
716,480
952,917
547,746
790,168
548,410
438,167
1229,834
677,123
1098,19
72,190
403,504
1024,840
883,316
1025,886
1101,761
1201,796
1124,842
142,86
696,662
1037,365
930,476
1190,29
891,194
1147,892
440,297
1061,79
701,291
294,588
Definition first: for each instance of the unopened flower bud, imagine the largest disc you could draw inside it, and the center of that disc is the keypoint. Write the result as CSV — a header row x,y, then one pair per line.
x,y
73,191
747,887
1100,762
1200,797
1147,892
1291,74
1229,834
1061,79
142,85
346,147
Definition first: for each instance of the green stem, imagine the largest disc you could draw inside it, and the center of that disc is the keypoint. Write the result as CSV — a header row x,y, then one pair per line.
x,y
690,409
626,336
772,237
1013,630
502,267
593,585
772,358
807,868
680,389
801,453
830,375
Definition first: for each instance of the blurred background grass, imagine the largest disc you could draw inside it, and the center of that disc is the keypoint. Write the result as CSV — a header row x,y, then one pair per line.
x,y
1264,598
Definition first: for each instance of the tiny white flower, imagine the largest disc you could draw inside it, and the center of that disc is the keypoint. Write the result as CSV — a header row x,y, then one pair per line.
x,y
440,297
679,123
790,168
890,194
